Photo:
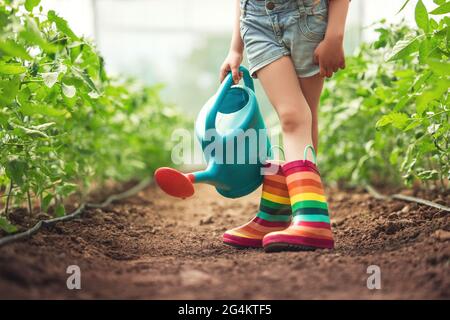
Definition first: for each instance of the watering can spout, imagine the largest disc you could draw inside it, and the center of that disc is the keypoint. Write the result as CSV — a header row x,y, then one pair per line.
x,y
180,185
174,182
204,176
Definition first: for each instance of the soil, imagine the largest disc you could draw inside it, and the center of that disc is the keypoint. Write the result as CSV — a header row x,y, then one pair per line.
x,y
152,246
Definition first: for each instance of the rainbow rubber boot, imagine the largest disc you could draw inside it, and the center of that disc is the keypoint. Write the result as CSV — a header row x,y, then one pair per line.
x,y
274,212
310,228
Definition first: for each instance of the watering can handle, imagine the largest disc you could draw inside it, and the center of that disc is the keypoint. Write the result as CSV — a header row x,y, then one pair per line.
x,y
248,81
223,89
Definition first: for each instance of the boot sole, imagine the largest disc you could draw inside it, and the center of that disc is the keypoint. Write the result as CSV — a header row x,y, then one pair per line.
x,y
280,246
240,247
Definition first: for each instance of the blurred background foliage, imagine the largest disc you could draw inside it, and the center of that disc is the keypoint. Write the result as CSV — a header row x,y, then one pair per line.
x,y
385,118
65,124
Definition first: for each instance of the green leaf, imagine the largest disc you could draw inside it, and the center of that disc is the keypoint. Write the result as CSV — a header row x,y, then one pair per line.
x,y
31,132
12,68
413,124
442,9
403,6
15,169
42,109
439,2
421,16
398,120
424,50
9,89
68,90
62,25
86,78
50,78
6,226
43,126
46,202
66,189
428,175
402,102
436,91
33,35
403,49
439,67
383,121
11,48
60,210
93,95
393,157
30,4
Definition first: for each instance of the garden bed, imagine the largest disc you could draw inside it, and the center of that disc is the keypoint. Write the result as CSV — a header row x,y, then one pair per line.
x,y
153,246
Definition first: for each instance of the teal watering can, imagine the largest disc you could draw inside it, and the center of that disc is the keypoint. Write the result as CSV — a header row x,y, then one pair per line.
x,y
234,141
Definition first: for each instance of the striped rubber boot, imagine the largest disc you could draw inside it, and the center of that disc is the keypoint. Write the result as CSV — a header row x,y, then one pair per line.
x,y
310,228
274,212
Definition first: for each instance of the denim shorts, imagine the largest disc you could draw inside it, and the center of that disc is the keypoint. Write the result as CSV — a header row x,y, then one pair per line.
x,y
271,29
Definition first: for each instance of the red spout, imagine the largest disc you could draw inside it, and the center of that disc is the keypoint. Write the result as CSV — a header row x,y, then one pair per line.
x,y
174,182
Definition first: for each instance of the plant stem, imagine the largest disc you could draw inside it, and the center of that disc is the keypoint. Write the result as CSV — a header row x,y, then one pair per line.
x,y
31,81
8,198
30,207
441,178
438,113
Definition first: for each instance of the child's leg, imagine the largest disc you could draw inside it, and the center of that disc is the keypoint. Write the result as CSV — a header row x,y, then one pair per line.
x,y
282,87
312,88
310,228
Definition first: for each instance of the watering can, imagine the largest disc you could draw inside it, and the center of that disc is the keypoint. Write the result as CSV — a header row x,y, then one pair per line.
x,y
234,165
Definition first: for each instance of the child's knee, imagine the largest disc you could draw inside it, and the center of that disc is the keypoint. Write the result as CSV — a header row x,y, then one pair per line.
x,y
294,119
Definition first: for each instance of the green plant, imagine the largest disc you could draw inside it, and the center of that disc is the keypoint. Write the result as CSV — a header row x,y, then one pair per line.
x,y
385,118
64,123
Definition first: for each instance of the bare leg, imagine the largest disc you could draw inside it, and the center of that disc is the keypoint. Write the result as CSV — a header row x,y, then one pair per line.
x,y
312,88
307,231
282,86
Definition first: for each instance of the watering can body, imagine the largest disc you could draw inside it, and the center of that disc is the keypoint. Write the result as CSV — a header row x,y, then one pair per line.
x,y
234,141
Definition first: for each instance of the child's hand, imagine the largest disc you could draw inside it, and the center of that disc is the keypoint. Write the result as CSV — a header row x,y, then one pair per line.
x,y
231,63
329,55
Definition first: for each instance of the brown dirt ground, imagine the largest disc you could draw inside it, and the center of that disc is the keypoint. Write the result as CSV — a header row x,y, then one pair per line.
x,y
155,247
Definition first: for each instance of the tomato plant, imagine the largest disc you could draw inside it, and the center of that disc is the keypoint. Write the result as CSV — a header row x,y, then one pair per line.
x,y
64,122
385,118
